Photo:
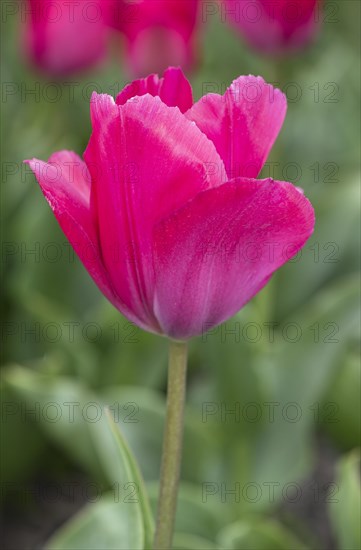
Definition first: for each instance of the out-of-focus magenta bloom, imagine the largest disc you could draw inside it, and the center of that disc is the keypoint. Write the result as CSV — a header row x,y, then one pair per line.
x,y
158,33
275,26
166,214
66,36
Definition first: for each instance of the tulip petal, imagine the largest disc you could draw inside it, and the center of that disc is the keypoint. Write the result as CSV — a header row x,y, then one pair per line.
x,y
215,253
281,25
159,33
65,183
243,123
151,161
173,89
62,40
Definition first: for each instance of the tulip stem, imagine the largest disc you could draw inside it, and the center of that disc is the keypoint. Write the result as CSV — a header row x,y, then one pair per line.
x,y
172,446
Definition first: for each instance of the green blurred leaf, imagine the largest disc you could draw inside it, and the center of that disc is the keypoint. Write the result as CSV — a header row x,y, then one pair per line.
x,y
329,253
191,542
141,413
195,515
345,425
133,475
345,505
144,430
16,433
64,409
258,534
297,375
105,525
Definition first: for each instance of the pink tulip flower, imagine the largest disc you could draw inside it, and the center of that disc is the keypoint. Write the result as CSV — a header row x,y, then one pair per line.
x,y
166,214
64,37
158,33
274,26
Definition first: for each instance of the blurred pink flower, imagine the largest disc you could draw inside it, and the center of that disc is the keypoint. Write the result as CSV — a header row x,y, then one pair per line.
x,y
158,33
63,37
275,26
166,214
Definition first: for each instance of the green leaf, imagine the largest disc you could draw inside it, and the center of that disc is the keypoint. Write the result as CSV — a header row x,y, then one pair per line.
x,y
17,433
192,542
345,505
297,375
141,412
258,534
330,251
133,474
104,525
143,431
63,410
344,397
195,515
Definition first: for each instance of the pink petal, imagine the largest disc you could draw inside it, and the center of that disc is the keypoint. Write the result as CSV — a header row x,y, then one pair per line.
x,y
173,89
220,249
65,183
243,123
63,38
156,48
276,26
160,33
146,160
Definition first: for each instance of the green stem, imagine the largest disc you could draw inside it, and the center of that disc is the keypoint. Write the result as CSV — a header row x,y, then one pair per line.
x,y
172,446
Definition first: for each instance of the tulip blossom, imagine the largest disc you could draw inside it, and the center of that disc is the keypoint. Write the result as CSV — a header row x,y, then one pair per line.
x,y
63,37
165,211
158,33
274,26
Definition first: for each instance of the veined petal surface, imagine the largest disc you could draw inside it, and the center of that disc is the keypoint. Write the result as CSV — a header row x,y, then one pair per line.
x,y
243,123
215,253
65,183
146,160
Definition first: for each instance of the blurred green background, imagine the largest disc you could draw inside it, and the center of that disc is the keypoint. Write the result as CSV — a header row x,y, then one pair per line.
x,y
287,365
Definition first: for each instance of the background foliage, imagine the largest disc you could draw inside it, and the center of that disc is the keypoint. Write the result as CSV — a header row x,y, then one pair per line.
x,y
294,393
